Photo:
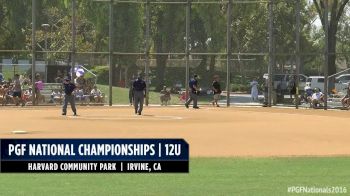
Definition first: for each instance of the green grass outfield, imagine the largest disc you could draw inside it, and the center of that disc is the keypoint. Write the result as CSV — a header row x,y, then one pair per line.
x,y
208,176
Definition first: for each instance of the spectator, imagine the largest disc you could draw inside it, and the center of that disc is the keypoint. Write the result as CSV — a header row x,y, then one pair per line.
x,y
80,81
56,96
21,78
293,87
254,90
27,95
96,94
59,77
79,94
89,85
39,86
183,96
317,98
164,96
25,80
308,94
17,91
9,94
265,86
346,99
3,94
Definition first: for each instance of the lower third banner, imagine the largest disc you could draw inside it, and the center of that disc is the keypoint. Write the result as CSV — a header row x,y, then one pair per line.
x,y
95,155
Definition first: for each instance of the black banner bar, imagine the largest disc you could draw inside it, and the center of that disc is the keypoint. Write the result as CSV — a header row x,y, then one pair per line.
x,y
94,166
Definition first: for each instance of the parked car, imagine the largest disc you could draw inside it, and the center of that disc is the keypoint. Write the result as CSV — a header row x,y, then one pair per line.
x,y
282,80
344,78
316,82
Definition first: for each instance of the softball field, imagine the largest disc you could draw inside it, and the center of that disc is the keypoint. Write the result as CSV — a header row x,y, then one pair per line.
x,y
211,132
233,151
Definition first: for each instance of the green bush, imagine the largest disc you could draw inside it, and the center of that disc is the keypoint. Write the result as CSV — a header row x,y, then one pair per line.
x,y
102,73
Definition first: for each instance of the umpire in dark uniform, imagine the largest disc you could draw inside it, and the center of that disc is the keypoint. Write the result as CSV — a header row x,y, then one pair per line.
x,y
139,91
68,97
194,91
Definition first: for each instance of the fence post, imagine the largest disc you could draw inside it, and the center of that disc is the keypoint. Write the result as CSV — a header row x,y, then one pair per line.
x,y
110,56
271,53
326,54
33,50
229,52
297,37
73,38
188,17
147,50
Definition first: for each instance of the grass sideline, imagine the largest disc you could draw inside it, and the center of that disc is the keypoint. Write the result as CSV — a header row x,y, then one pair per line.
x,y
208,176
121,96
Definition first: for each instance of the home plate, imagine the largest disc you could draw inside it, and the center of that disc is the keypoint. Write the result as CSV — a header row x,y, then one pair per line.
x,y
19,132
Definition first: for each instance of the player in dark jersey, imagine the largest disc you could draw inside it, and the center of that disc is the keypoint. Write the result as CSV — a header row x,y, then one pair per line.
x,y
217,91
139,92
194,91
68,96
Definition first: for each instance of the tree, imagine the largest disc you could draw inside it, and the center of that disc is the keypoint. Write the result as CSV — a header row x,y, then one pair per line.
x,y
167,36
208,34
336,8
17,15
249,30
4,32
343,37
250,35
60,36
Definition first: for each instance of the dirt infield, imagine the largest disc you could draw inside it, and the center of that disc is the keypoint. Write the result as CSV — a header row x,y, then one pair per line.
x,y
211,132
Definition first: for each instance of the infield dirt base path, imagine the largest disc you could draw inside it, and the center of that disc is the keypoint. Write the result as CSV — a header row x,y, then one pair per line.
x,y
211,132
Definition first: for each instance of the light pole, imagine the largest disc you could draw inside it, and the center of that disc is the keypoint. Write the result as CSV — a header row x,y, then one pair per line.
x,y
46,28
